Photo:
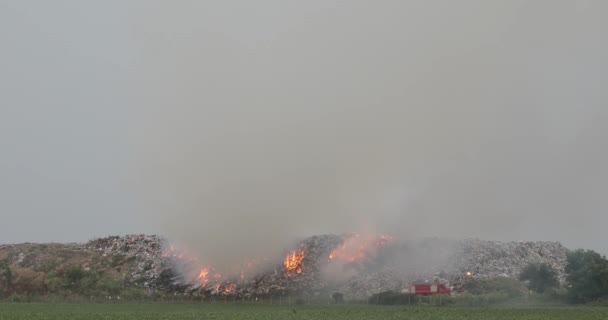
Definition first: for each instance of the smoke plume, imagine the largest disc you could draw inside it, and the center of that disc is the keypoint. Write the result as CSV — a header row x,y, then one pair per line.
x,y
262,122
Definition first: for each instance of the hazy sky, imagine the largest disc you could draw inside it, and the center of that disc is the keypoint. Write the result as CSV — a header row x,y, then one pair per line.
x,y
64,119
240,124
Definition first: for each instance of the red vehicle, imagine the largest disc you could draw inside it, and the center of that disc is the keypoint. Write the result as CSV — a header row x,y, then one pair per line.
x,y
428,288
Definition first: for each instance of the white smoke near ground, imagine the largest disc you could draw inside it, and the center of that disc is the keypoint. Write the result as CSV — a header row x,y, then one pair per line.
x,y
264,122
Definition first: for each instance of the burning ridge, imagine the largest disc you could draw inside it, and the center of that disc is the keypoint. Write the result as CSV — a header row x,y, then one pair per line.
x,y
353,264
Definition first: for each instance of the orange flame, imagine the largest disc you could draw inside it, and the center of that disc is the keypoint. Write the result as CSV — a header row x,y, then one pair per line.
x,y
230,287
293,261
202,276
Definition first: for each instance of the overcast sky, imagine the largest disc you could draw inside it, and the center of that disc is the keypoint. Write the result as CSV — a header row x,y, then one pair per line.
x,y
205,119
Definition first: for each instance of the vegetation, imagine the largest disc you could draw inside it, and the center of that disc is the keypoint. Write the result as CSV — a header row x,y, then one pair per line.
x,y
89,283
6,279
392,298
540,277
230,311
479,292
337,297
510,288
587,276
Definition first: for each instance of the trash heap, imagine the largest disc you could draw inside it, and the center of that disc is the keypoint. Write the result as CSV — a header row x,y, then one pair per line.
x,y
146,251
317,266
281,281
490,259
396,266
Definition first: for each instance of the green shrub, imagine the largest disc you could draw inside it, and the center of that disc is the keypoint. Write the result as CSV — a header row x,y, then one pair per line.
x,y
73,277
46,266
337,297
392,298
553,295
6,279
540,277
587,276
53,281
600,302
20,298
117,259
133,294
501,286
83,282
486,299
109,286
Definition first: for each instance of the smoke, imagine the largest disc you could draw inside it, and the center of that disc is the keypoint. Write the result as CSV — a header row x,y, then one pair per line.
x,y
262,122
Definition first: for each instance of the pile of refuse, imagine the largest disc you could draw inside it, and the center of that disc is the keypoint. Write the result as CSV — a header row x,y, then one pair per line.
x,y
395,265
146,251
318,266
479,259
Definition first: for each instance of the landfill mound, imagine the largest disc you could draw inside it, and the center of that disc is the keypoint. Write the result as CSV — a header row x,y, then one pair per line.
x,y
135,260
373,266
317,266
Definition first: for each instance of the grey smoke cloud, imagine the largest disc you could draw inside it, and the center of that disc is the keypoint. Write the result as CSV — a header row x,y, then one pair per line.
x,y
260,122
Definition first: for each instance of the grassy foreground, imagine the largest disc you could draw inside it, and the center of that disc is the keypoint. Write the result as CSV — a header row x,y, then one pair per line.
x,y
221,311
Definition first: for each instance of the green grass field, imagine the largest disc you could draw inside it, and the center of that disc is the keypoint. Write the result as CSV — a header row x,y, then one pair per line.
x,y
220,311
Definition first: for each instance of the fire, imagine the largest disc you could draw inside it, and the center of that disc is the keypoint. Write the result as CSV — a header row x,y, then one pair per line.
x,y
207,277
230,287
354,248
357,248
202,276
293,261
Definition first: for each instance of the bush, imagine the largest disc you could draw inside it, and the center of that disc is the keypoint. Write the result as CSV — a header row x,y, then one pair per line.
x,y
486,299
73,277
27,281
87,283
512,288
587,276
117,259
540,277
53,281
6,279
46,266
338,298
19,298
108,286
600,302
392,298
552,296
133,294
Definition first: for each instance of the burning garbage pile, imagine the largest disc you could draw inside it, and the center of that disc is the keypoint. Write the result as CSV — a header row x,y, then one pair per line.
x,y
355,265
299,269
